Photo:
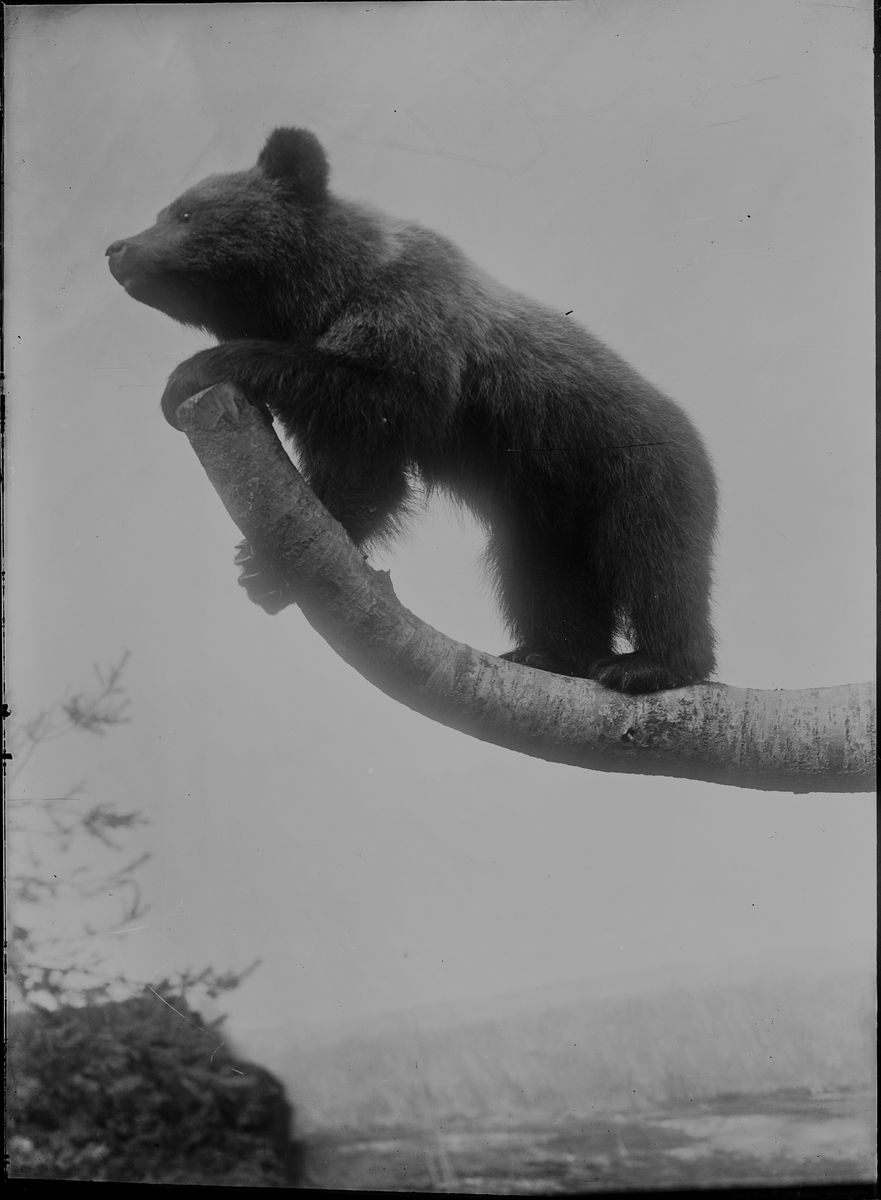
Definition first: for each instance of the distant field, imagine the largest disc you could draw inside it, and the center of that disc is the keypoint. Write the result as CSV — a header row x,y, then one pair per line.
x,y
786,1137
578,1057
761,1078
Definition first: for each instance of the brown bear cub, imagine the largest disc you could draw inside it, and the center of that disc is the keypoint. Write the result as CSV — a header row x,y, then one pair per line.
x,y
386,355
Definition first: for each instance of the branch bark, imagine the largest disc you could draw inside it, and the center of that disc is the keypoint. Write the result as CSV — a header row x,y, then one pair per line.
x,y
813,740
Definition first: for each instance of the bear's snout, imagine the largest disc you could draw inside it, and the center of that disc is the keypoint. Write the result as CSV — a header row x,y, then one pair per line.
x,y
125,263
116,253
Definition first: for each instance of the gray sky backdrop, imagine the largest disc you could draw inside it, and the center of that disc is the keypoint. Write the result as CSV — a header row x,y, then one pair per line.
x,y
694,181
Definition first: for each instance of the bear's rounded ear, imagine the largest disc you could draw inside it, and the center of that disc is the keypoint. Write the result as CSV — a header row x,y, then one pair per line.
x,y
296,159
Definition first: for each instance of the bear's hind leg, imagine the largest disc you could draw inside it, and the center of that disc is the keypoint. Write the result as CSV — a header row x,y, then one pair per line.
x,y
667,603
561,622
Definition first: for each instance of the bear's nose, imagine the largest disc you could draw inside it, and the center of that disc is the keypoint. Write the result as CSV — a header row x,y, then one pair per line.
x,y
113,248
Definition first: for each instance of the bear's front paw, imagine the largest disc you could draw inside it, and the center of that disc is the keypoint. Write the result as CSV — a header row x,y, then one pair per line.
x,y
184,382
263,587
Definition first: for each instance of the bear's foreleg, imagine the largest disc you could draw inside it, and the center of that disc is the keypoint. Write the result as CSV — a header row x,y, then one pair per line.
x,y
255,366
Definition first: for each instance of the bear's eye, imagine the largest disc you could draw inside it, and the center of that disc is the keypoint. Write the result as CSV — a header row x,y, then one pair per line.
x,y
185,216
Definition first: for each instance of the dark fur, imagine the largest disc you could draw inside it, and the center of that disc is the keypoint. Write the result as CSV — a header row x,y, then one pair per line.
x,y
384,352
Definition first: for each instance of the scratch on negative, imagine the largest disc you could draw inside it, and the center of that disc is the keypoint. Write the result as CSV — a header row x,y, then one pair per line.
x,y
764,79
189,1022
734,121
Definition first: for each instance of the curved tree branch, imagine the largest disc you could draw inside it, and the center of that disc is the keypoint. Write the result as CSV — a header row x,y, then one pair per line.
x,y
816,739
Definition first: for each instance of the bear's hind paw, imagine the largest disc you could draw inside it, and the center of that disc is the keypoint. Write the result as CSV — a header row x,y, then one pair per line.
x,y
638,673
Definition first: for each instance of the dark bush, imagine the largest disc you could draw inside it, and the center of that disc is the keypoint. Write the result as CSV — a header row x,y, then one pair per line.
x,y
140,1091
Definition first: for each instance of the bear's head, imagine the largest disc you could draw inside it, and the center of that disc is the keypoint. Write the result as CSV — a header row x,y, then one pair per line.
x,y
230,254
